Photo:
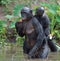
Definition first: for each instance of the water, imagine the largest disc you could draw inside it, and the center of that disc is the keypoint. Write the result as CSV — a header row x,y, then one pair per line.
x,y
15,53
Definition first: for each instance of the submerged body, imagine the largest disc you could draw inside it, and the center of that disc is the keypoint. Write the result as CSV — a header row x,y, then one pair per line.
x,y
45,22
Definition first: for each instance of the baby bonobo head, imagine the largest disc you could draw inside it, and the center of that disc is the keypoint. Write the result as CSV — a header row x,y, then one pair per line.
x,y
39,11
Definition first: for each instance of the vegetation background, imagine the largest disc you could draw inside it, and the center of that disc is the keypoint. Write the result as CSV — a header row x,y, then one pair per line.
x,y
10,13
10,41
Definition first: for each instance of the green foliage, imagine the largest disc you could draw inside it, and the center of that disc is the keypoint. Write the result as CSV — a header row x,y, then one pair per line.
x,y
4,2
12,24
2,29
17,8
9,16
19,41
12,19
2,24
6,5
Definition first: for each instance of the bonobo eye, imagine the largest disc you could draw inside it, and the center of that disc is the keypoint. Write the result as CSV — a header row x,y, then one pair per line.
x,y
40,13
24,15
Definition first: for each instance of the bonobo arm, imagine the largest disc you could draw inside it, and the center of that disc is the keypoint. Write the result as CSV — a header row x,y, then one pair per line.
x,y
46,25
19,28
40,36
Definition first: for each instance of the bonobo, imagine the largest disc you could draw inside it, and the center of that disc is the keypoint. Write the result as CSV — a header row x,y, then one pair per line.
x,y
35,44
45,22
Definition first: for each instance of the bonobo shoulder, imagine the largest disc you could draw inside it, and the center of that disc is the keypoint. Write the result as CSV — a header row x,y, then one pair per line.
x,y
34,19
19,23
46,18
19,28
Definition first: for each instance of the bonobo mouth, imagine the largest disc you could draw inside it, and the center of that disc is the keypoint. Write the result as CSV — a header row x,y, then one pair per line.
x,y
23,19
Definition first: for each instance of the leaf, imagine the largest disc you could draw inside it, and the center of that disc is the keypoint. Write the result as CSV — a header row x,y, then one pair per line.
x,y
58,18
12,24
52,11
17,9
2,23
9,16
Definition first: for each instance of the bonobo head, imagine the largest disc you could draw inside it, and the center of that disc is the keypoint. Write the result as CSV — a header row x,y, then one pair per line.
x,y
39,11
26,13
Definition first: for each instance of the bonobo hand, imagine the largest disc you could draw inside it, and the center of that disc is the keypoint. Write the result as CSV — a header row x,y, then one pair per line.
x,y
21,20
51,36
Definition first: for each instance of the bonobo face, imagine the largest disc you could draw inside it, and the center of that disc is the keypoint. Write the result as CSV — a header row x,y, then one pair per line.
x,y
26,13
24,16
40,11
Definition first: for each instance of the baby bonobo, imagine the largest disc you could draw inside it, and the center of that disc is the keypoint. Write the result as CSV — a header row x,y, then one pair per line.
x,y
35,44
45,22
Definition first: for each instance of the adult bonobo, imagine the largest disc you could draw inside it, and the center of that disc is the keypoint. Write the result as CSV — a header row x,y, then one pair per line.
x,y
35,44
45,22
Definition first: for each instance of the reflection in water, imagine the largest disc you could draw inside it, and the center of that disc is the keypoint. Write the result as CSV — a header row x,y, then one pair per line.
x,y
15,53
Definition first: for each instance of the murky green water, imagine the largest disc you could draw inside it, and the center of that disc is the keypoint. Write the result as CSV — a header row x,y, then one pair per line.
x,y
15,53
